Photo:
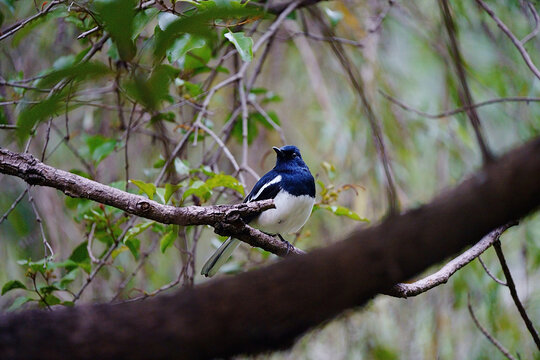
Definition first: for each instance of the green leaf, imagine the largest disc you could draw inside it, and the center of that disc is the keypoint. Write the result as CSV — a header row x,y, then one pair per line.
x,y
118,251
170,190
133,246
33,114
118,17
142,18
227,181
68,279
81,258
243,44
199,189
167,240
74,72
181,166
47,289
52,300
341,211
12,284
154,89
148,188
182,45
99,147
199,23
20,301
40,266
137,230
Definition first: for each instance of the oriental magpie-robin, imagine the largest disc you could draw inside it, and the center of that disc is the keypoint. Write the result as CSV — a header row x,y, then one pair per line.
x,y
292,187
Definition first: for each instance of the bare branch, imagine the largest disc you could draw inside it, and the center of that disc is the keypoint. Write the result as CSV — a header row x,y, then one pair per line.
x,y
458,110
13,29
491,339
441,277
490,274
465,94
513,292
378,138
518,44
536,29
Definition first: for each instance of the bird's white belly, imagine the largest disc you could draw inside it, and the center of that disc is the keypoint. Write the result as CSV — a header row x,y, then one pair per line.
x,y
290,214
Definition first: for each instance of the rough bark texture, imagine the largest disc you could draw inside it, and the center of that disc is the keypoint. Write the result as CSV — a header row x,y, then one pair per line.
x,y
268,308
226,219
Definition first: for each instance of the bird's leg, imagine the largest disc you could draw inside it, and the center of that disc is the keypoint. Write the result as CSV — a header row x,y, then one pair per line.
x,y
289,245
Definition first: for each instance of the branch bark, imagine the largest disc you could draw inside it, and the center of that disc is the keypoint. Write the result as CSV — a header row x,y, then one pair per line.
x,y
268,308
226,219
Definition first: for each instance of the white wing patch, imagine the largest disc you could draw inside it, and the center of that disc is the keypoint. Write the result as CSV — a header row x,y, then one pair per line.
x,y
271,182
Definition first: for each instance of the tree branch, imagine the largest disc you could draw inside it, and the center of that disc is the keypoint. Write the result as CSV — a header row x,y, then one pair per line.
x,y
226,219
518,44
512,286
266,309
491,339
441,277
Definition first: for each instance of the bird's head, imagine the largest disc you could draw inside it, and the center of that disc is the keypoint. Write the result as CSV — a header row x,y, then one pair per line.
x,y
288,156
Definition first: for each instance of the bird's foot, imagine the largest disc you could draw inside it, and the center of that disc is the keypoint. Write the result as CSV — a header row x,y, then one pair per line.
x,y
289,245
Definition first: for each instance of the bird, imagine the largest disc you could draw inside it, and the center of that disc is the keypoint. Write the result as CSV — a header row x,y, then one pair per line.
x,y
292,187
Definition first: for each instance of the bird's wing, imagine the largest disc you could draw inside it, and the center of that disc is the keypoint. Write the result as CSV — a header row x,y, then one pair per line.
x,y
266,188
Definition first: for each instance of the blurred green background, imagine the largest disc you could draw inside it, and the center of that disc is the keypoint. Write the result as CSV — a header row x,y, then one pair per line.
x,y
131,102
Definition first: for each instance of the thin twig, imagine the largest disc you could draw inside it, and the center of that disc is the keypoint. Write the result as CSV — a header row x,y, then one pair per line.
x,y
104,258
269,120
518,44
47,247
536,29
490,274
21,86
88,32
465,93
378,139
13,205
491,339
245,130
458,110
318,37
513,292
89,245
144,256
13,29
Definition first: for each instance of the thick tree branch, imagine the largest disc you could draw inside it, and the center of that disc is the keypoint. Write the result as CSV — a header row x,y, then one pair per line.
x,y
268,308
225,218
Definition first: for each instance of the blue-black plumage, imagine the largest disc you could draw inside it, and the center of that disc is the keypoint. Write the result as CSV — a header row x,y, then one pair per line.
x,y
292,187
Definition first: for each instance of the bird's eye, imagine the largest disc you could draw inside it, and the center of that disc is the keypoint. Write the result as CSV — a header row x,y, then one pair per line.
x,y
293,155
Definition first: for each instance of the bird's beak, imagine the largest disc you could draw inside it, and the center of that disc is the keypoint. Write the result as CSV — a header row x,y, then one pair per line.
x,y
277,150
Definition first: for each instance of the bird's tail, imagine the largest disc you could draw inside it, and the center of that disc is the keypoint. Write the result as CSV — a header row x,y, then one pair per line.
x,y
220,257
